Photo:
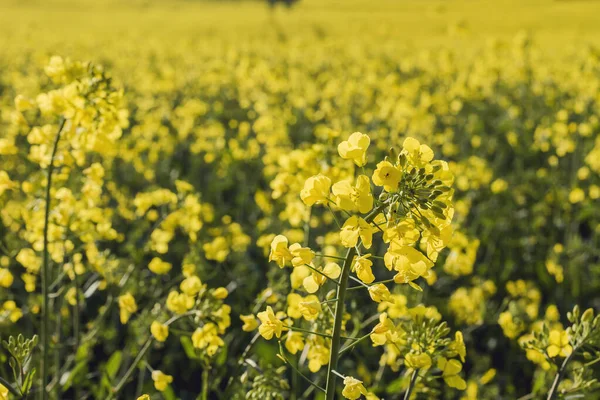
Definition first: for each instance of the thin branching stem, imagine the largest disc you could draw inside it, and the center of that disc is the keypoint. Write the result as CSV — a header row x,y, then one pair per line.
x,y
339,312
45,333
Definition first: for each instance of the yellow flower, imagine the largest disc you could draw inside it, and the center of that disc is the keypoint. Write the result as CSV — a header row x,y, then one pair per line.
x,y
29,260
559,344
161,380
5,182
279,251
417,360
315,280
498,186
220,293
353,198
316,190
6,278
22,103
3,392
318,353
301,255
457,347
362,266
127,306
159,266
352,229
159,331
191,285
355,148
450,370
408,261
207,338
310,307
353,388
179,303
419,154
293,301
387,175
250,322
379,293
384,331
576,196
404,233
144,397
270,324
294,342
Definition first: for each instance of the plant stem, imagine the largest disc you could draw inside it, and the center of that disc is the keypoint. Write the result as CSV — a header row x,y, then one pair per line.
x,y
339,312
205,383
411,385
10,387
45,333
559,375
132,367
357,341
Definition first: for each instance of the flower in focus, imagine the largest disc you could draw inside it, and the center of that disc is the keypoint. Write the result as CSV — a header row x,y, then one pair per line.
x,y
417,360
354,198
310,307
362,266
419,154
387,175
316,190
356,227
559,344
379,292
279,251
450,370
353,388
355,148
270,324
316,279
301,255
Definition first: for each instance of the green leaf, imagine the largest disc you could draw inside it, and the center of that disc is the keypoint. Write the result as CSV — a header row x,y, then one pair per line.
x,y
28,381
189,349
113,364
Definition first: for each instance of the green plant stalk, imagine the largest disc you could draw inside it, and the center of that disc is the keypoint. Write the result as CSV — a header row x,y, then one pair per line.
x,y
559,375
339,312
44,370
205,383
132,367
411,385
9,386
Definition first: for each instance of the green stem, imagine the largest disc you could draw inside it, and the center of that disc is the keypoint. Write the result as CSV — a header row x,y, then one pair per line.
x,y
132,367
9,386
411,385
293,328
559,375
362,286
357,341
281,354
322,273
45,333
339,312
205,383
